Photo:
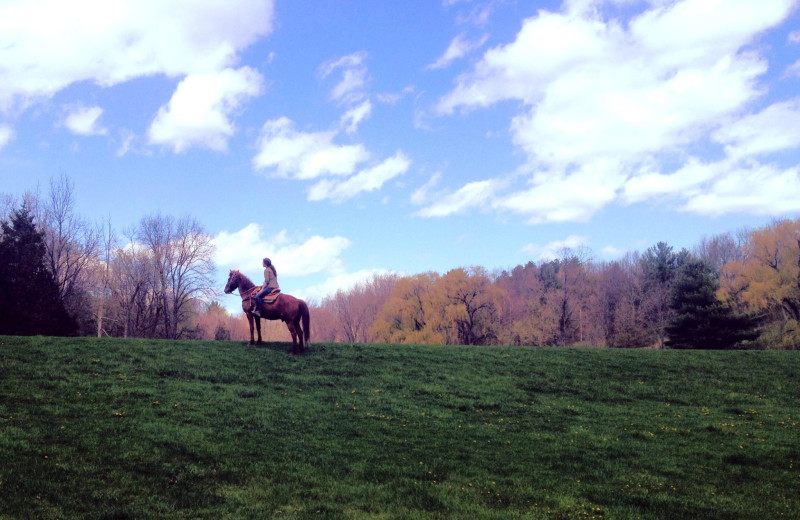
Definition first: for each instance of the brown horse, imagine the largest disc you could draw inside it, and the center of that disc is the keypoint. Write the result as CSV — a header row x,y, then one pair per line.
x,y
286,308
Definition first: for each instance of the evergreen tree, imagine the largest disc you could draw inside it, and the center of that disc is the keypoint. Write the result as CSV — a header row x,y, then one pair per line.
x,y
29,298
222,334
660,267
701,320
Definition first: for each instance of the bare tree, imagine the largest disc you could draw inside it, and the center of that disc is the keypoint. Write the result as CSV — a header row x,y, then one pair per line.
x,y
720,249
103,275
181,268
130,282
72,246
354,310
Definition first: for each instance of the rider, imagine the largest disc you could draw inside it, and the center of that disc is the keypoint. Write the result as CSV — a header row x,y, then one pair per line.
x,y
270,283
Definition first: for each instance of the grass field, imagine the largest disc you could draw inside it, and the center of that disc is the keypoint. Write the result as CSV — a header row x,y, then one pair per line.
x,y
124,429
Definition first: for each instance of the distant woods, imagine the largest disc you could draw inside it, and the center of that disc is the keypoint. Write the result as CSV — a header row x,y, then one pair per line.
x,y
150,283
63,275
737,290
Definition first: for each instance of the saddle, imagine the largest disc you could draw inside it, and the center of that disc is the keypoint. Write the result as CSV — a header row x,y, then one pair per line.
x,y
271,296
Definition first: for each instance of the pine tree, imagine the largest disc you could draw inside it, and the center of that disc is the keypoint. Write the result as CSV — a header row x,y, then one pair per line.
x,y
29,298
701,320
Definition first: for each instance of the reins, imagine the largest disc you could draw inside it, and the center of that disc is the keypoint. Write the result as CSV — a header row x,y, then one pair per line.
x,y
247,293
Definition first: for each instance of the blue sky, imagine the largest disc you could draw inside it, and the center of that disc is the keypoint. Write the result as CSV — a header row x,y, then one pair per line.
x,y
345,138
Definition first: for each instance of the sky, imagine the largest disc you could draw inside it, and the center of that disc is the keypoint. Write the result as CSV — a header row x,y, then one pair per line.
x,y
347,138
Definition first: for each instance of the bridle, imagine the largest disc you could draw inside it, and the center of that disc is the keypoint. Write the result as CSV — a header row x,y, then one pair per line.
x,y
248,293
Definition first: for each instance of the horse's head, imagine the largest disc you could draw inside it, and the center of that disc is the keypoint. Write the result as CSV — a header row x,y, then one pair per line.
x,y
233,282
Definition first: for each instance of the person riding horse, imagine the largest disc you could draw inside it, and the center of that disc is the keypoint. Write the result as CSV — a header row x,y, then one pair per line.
x,y
290,310
270,283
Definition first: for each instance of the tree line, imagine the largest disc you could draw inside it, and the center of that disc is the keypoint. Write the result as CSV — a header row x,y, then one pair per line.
x,y
734,290
62,275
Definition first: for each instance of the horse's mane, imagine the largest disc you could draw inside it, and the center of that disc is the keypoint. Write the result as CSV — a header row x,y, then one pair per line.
x,y
245,281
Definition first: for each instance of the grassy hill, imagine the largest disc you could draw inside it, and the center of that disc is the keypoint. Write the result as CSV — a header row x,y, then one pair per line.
x,y
143,429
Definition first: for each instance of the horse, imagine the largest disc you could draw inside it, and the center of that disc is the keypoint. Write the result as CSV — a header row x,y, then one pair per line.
x,y
292,311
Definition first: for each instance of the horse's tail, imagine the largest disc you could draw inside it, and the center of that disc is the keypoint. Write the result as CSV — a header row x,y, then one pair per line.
x,y
306,317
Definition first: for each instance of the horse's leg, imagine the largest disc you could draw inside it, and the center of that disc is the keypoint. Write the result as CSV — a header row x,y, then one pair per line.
x,y
293,332
299,330
250,321
258,327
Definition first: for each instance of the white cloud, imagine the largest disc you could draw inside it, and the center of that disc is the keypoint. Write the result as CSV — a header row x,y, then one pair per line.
x,y
316,155
84,121
739,182
756,189
794,37
607,103
424,193
351,88
594,90
567,198
340,282
353,117
5,135
199,111
470,195
392,98
304,155
686,182
47,45
244,250
793,70
370,179
311,155
613,252
775,128
554,250
458,48
725,186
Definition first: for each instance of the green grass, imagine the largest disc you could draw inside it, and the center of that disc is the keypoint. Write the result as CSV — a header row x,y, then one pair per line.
x,y
117,429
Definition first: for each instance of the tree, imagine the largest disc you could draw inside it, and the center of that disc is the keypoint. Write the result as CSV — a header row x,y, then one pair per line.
x,y
701,320
660,266
180,256
767,280
71,246
619,300
524,293
413,313
473,306
222,334
30,302
102,276
131,296
354,310
720,249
